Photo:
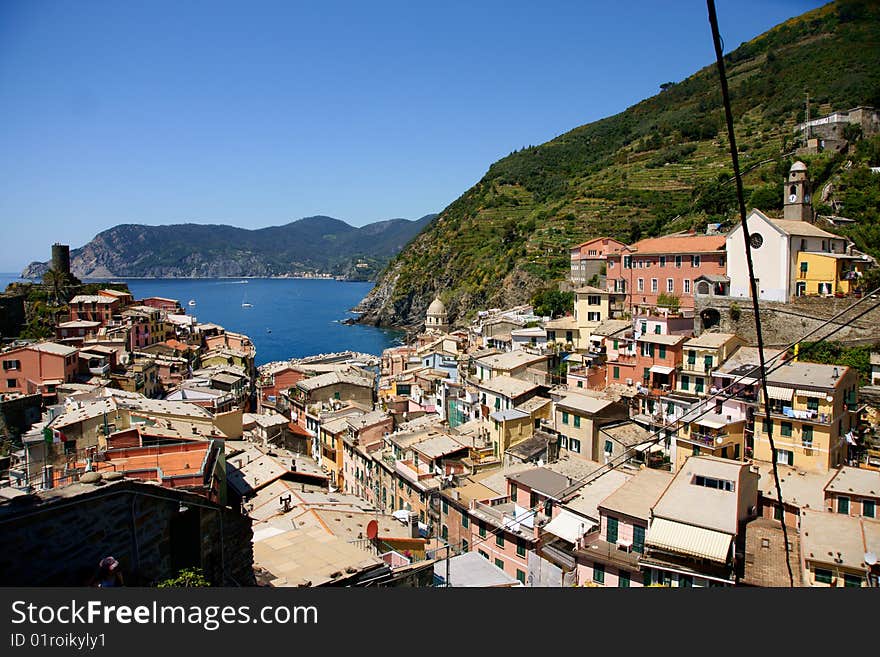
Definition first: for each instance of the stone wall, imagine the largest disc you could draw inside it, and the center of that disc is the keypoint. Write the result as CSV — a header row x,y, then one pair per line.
x,y
785,323
57,537
18,413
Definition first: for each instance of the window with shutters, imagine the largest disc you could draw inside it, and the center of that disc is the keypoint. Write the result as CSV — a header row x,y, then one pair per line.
x,y
465,521
499,540
577,421
520,548
623,580
464,545
574,445
869,509
842,504
564,417
598,573
612,530
638,539
823,576
852,580
807,436
520,576
786,428
499,563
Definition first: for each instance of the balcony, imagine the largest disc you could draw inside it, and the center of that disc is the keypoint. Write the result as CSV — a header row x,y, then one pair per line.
x,y
788,413
708,439
592,545
409,470
99,370
693,367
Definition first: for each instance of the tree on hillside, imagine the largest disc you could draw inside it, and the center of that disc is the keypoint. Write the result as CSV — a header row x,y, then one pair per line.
x,y
553,303
59,282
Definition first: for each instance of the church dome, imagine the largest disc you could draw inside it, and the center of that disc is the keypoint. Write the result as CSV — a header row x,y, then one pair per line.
x,y
437,307
798,166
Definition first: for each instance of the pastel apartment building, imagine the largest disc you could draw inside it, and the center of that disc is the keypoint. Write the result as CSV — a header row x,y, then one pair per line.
x,y
835,549
813,407
588,259
609,556
94,308
38,368
665,265
658,358
697,526
577,422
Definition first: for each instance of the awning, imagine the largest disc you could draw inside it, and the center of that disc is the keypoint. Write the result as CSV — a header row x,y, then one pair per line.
x,y
653,448
688,539
712,420
568,526
662,369
781,394
811,393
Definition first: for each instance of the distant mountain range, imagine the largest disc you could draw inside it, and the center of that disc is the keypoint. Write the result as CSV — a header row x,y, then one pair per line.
x,y
321,244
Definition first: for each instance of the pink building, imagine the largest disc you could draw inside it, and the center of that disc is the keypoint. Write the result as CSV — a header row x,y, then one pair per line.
x,y
94,308
588,258
38,368
76,332
658,358
168,305
665,265
610,556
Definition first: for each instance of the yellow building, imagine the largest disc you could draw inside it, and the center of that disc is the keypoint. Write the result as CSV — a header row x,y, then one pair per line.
x,y
510,427
702,355
711,435
812,409
826,274
592,306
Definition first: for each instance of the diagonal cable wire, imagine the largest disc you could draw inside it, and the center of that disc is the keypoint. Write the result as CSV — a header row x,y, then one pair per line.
x,y
719,55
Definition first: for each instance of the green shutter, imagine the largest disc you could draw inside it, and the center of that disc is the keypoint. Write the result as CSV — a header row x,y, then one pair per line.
x,y
638,538
612,530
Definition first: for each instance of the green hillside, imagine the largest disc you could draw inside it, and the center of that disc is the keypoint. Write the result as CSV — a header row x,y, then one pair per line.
x,y
661,165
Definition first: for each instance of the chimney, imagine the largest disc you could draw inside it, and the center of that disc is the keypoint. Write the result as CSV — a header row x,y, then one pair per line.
x,y
413,524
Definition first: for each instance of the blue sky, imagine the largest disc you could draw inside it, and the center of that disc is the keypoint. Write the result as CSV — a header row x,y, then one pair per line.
x,y
259,113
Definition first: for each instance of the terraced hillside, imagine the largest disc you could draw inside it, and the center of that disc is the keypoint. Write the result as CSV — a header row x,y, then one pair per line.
x,y
660,166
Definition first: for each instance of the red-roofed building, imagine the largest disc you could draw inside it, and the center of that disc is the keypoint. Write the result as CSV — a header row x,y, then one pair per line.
x,y
588,258
271,383
665,265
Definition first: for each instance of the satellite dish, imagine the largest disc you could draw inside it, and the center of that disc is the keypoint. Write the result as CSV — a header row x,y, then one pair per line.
x,y
870,558
372,529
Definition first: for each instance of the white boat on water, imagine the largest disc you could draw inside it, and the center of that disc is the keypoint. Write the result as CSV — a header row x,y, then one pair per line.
x,y
244,302
191,302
